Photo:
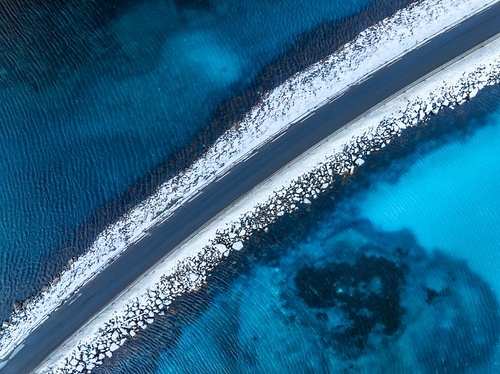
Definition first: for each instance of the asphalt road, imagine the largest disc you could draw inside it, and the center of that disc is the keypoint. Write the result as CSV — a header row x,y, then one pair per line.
x,y
244,176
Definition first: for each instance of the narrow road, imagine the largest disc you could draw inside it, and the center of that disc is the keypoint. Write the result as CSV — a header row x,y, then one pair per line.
x,y
271,157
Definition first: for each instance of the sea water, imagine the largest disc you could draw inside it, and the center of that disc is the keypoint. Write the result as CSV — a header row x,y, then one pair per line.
x,y
100,101
393,272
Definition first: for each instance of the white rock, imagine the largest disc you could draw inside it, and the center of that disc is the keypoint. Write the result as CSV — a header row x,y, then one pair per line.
x,y
221,248
237,246
360,161
114,347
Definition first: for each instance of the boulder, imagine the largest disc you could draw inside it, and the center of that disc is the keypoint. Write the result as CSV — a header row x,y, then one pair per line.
x,y
237,246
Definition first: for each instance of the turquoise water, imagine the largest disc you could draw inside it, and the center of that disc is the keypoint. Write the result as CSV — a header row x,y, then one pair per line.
x,y
449,201
102,100
397,276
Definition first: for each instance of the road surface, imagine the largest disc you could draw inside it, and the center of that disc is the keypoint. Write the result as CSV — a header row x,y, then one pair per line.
x,y
164,238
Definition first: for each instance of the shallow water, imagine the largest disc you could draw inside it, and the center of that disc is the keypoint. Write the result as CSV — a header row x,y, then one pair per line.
x,y
101,102
397,276
454,209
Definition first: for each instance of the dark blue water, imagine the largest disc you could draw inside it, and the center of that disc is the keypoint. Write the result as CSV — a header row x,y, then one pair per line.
x,y
102,100
396,271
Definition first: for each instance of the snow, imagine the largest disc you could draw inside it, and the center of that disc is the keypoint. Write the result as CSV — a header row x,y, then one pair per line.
x,y
304,92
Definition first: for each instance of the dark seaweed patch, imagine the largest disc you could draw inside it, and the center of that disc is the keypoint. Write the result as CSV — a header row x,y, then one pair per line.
x,y
366,292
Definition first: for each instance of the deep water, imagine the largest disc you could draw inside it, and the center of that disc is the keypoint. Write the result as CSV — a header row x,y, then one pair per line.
x,y
394,271
100,101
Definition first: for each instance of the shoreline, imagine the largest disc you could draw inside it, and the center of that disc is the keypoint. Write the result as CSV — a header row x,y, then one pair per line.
x,y
121,237
296,190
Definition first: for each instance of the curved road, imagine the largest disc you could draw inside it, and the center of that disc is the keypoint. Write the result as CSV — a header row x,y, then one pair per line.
x,y
270,158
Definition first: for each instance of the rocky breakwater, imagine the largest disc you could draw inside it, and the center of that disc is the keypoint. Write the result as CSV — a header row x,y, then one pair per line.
x,y
191,273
